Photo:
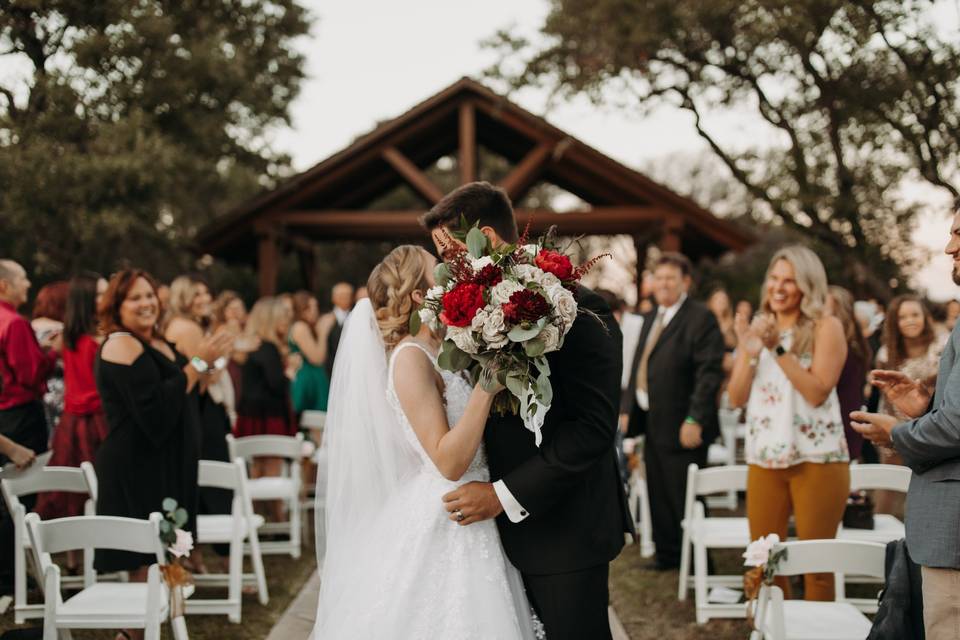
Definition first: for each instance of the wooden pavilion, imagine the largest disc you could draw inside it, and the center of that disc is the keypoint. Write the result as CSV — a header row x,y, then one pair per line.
x,y
332,200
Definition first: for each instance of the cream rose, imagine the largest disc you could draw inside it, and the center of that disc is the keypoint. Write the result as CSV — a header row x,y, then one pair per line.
x,y
494,329
551,338
502,292
463,338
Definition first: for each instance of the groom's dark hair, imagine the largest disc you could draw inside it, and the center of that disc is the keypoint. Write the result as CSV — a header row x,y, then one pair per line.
x,y
478,202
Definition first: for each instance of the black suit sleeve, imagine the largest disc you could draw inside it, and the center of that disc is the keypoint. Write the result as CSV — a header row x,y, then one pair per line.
x,y
708,369
586,432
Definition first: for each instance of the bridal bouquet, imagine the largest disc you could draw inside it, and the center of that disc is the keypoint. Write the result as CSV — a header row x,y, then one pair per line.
x,y
504,308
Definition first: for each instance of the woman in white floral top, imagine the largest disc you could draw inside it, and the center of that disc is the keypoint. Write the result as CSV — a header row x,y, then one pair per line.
x,y
786,374
912,346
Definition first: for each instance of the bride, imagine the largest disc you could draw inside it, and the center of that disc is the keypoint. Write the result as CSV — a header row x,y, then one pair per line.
x,y
400,434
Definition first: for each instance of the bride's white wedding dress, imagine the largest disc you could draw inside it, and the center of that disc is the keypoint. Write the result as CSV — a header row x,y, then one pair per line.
x,y
414,573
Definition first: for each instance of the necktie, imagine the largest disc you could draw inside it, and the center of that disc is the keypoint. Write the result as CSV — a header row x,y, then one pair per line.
x,y
655,332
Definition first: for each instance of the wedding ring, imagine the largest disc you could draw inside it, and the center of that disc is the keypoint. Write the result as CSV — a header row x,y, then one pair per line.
x,y
459,514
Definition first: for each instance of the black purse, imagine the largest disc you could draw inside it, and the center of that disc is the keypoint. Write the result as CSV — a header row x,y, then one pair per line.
x,y
859,512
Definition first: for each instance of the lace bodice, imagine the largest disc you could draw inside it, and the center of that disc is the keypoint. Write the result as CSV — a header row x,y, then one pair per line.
x,y
456,396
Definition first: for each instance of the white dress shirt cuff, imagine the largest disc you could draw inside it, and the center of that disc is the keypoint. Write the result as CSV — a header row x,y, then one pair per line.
x,y
643,400
514,510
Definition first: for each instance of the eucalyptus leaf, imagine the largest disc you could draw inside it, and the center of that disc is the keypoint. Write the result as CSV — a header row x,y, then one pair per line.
x,y
535,347
169,504
476,243
515,385
180,517
519,334
415,322
452,358
544,389
166,526
441,273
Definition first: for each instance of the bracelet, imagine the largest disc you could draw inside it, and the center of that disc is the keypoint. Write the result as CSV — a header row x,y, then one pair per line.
x,y
221,363
690,420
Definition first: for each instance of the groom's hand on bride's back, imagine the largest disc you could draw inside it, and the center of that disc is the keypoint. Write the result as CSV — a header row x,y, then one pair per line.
x,y
475,501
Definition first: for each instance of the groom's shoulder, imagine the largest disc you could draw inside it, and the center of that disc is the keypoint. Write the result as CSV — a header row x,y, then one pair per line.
x,y
591,301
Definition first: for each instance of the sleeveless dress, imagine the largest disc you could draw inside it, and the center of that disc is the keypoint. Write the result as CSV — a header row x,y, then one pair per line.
x,y
310,387
432,578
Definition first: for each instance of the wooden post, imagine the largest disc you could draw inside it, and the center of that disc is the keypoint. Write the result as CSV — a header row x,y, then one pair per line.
x,y
268,260
468,143
670,239
640,243
307,258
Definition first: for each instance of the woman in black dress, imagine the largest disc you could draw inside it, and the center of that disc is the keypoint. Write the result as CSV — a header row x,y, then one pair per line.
x,y
149,397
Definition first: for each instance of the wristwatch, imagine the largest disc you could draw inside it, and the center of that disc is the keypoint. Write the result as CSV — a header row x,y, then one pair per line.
x,y
779,350
199,364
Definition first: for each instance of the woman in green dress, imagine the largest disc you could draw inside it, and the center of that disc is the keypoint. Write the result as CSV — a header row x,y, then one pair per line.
x,y
308,337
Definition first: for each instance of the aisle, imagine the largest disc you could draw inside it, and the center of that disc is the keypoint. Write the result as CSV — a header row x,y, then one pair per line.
x,y
297,620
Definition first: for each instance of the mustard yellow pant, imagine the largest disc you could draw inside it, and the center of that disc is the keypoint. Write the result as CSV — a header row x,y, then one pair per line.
x,y
817,495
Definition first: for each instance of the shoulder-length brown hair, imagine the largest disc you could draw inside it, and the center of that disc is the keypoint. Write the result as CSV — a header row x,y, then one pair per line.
x,y
117,290
893,339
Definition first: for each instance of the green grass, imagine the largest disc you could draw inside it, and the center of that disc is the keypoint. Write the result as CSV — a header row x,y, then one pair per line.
x,y
285,578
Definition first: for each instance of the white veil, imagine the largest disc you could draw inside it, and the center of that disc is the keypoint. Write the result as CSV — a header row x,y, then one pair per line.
x,y
365,452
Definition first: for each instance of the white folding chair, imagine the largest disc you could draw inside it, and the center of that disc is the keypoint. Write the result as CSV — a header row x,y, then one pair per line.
x,y
240,525
67,479
724,453
285,487
886,527
701,533
639,503
314,422
779,619
100,605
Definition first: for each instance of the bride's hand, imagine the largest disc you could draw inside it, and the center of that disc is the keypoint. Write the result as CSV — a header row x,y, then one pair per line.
x,y
488,381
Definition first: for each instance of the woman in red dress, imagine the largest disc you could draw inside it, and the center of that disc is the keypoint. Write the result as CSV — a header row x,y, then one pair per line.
x,y
82,426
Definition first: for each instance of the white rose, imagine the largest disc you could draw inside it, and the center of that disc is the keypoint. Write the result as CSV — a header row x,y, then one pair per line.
x,y
502,292
536,275
564,303
480,263
428,317
758,551
494,329
463,338
551,338
435,293
532,249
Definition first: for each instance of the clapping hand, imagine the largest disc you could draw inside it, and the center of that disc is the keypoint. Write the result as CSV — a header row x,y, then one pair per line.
x,y
875,427
216,346
21,456
754,336
910,397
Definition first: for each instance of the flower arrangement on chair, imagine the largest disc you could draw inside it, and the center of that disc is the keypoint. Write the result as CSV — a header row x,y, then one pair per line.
x,y
765,557
178,544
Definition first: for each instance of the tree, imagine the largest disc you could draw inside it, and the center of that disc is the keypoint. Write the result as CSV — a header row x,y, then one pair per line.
x,y
135,122
854,100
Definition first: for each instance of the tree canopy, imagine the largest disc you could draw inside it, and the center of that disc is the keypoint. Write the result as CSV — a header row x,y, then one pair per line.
x,y
855,99
133,123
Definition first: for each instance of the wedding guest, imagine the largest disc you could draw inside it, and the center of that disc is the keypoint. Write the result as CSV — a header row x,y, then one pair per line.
x,y
308,337
720,304
83,425
189,315
929,442
677,369
786,371
853,377
25,365
47,318
148,390
230,313
744,307
264,407
360,294
912,347
342,298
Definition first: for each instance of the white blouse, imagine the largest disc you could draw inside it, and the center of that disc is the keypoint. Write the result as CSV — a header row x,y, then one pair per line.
x,y
783,429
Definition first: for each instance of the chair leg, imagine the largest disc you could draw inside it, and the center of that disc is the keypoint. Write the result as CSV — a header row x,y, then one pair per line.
x,y
646,528
257,560
700,582
684,581
179,626
235,580
294,515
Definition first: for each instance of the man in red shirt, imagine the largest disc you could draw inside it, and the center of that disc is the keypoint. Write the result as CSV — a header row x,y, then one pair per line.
x,y
24,369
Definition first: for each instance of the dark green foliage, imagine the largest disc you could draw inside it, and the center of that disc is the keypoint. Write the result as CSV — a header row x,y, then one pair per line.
x,y
135,122
854,99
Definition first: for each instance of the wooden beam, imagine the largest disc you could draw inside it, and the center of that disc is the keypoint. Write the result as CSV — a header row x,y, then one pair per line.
x,y
671,240
414,177
518,181
268,261
468,143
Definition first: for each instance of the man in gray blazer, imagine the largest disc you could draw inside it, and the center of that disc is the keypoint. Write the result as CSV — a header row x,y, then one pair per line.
x,y
930,446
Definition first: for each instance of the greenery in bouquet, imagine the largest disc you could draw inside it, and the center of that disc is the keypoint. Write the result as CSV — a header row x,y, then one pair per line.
x,y
501,310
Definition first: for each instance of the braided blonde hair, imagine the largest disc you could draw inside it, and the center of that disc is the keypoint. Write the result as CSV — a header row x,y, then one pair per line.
x,y
391,282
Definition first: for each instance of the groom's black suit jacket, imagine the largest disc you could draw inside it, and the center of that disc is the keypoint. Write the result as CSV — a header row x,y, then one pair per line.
x,y
570,485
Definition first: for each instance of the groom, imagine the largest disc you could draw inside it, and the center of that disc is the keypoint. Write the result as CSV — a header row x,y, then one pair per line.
x,y
560,508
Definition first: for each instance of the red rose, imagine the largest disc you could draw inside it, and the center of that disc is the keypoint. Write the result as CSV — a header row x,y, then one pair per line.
x,y
490,276
525,305
461,303
555,263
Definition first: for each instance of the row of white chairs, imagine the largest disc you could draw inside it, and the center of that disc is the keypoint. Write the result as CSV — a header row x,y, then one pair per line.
x,y
702,533
98,606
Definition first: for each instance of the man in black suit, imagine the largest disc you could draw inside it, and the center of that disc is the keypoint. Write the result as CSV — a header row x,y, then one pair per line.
x,y
560,508
672,397
342,298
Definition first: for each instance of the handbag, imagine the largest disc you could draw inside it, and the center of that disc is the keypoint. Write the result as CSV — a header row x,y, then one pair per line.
x,y
859,512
